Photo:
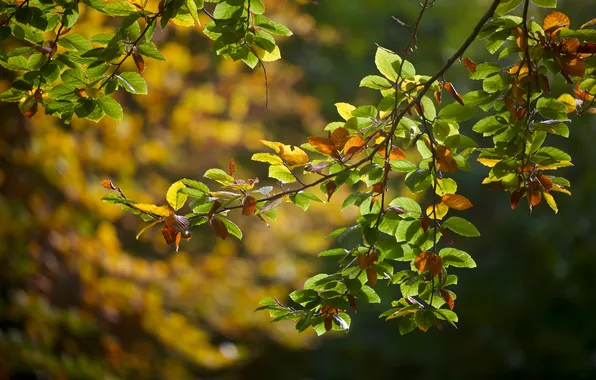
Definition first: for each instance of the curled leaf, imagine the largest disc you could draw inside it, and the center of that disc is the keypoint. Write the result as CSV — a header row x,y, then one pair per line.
x,y
469,64
249,205
232,167
219,227
453,92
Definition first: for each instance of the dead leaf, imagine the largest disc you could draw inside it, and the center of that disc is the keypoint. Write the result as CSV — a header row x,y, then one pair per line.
x,y
219,227
469,64
249,205
445,160
453,92
323,145
456,201
429,261
555,21
232,167
448,298
371,276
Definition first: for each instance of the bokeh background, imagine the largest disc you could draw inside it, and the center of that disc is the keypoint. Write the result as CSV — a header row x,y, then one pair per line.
x,y
80,298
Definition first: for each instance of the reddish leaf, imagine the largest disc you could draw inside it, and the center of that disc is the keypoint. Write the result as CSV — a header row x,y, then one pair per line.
x,y
574,67
352,302
438,96
169,234
396,154
373,258
378,187
587,48
353,146
521,113
570,46
249,205
453,92
520,38
544,85
323,145
445,160
328,322
546,182
534,197
31,111
339,137
362,261
555,21
371,276
178,238
219,227
216,205
108,184
516,196
448,298
330,186
469,64
429,261
139,62
232,167
425,221
456,201
511,107
39,95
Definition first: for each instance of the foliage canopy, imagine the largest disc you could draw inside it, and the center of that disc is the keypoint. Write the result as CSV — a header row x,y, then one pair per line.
x,y
409,135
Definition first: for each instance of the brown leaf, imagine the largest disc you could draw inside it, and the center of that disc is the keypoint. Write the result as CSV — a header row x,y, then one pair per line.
x,y
516,196
555,21
534,197
328,322
249,205
587,48
396,154
139,62
177,242
429,261
445,160
323,145
216,205
362,261
521,113
511,107
574,67
453,92
169,234
438,96
448,298
108,184
232,167
352,301
219,227
469,64
31,111
570,46
456,201
330,186
425,221
371,276
339,137
520,38
378,187
373,258
353,146
546,182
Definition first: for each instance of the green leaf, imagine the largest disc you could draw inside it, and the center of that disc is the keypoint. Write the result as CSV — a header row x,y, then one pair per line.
x,y
376,82
174,197
461,226
281,173
304,296
256,6
545,3
133,83
488,126
195,185
220,176
232,228
407,324
411,206
508,6
457,112
484,70
456,258
386,62
74,41
111,107
418,180
551,108
494,84
148,49
268,158
334,252
404,166
429,108
271,26
367,294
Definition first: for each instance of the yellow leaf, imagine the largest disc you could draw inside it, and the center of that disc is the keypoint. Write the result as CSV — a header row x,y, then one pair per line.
x,y
490,162
441,210
551,201
456,201
519,70
554,166
293,156
153,209
147,227
174,198
276,146
569,102
265,55
345,110
560,189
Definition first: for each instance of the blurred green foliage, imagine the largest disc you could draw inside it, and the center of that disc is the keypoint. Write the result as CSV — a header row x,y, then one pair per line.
x,y
80,298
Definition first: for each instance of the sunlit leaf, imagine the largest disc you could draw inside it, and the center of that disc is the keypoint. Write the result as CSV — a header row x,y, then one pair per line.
x,y
456,201
429,261
174,197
